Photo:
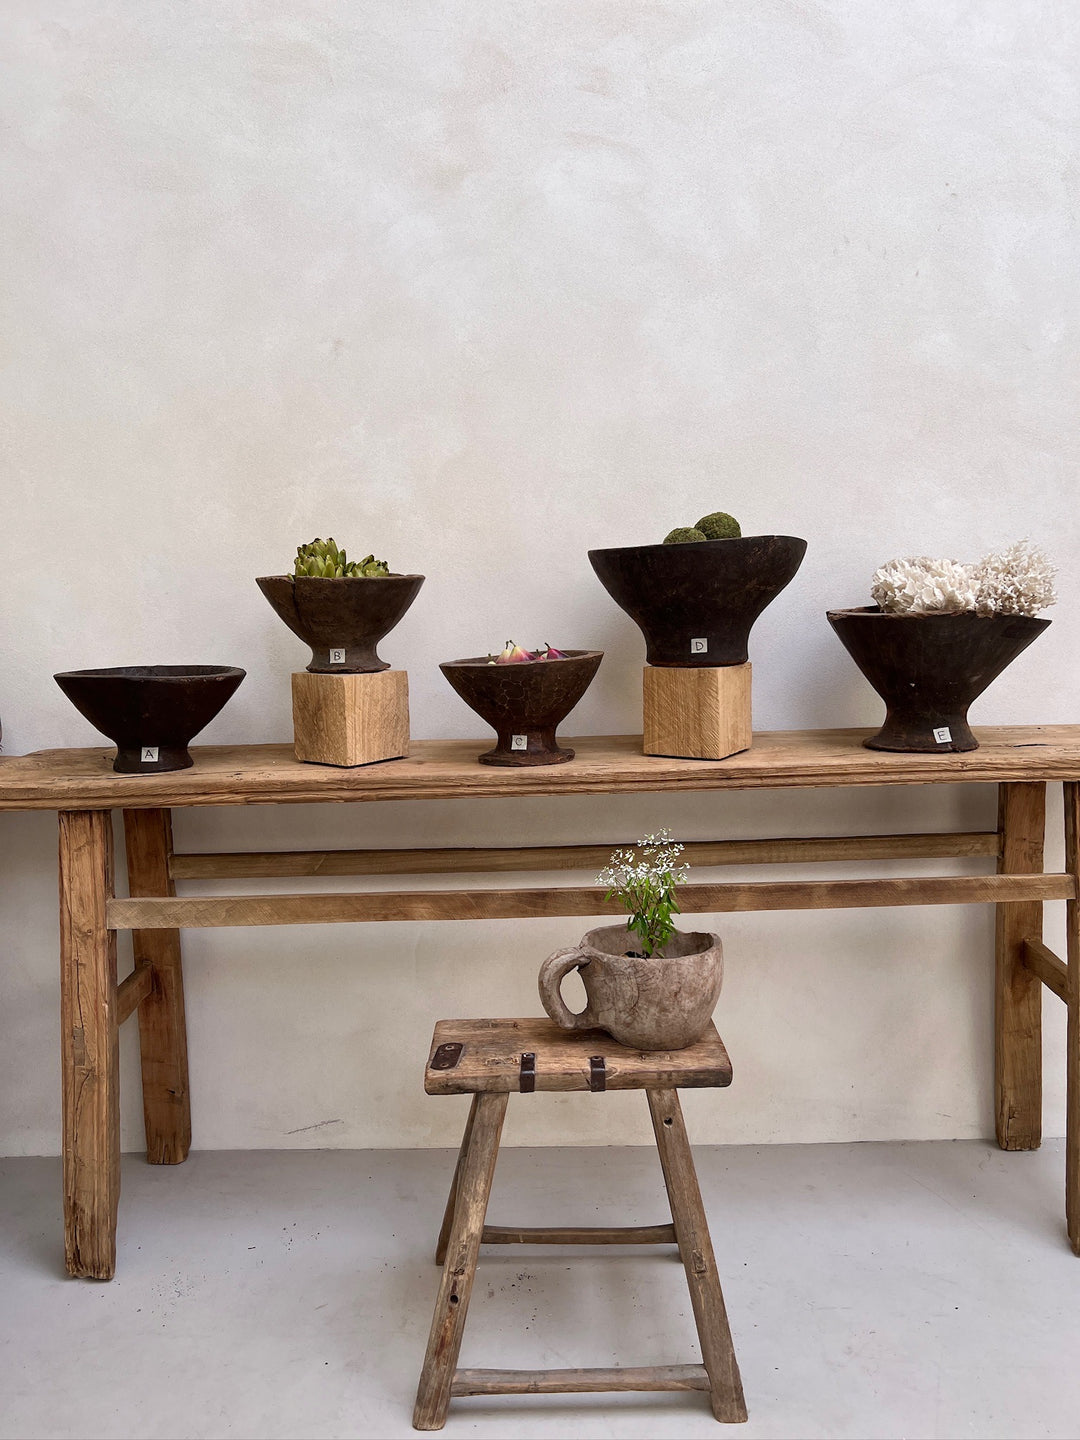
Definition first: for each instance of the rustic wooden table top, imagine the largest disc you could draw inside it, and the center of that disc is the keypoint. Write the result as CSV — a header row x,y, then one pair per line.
x,y
489,1059
448,769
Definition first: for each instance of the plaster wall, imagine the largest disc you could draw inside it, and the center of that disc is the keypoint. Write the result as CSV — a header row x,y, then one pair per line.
x,y
479,286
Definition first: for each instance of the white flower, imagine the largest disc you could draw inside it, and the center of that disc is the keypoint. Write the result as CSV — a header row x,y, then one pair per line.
x,y
651,862
920,585
1018,581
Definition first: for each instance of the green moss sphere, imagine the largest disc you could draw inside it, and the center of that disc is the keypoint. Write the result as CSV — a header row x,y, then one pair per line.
x,y
719,526
684,535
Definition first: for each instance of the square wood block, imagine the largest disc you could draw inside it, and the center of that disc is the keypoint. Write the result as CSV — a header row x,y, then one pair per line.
x,y
697,713
351,719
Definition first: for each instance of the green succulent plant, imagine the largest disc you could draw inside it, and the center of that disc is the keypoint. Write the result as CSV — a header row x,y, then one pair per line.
x,y
369,568
684,535
719,526
322,560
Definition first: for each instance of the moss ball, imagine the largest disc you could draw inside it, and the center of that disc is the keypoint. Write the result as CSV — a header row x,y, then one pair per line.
x,y
683,535
719,526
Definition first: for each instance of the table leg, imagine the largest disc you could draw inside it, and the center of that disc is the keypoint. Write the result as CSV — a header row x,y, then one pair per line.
x,y
1018,992
1072,999
162,1028
90,1052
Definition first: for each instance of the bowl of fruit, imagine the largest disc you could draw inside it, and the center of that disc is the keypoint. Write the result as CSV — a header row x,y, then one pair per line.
x,y
523,695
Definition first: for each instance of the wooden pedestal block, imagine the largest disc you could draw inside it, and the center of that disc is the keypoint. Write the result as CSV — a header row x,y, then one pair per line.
x,y
351,719
697,713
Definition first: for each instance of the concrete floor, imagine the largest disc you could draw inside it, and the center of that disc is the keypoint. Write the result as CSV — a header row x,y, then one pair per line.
x,y
874,1290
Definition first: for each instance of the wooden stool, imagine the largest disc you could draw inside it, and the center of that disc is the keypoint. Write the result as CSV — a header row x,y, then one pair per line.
x,y
490,1058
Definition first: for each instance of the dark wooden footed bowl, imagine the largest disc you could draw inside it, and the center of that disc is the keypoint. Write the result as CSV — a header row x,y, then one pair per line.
x,y
345,618
151,711
929,668
695,604
524,703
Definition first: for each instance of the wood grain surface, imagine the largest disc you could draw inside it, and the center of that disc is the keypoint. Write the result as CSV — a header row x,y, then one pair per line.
x,y
580,1382
1051,970
491,1059
134,989
90,1052
162,1019
465,860
444,769
701,712
1017,991
459,1270
350,719
1072,1038
196,912
663,1234
699,1262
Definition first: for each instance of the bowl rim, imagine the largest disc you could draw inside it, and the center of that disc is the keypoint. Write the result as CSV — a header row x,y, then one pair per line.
x,y
482,662
875,612
138,673
337,579
694,545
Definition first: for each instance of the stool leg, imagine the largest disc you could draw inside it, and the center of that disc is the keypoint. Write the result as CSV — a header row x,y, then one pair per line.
x,y
451,1199
462,1251
695,1247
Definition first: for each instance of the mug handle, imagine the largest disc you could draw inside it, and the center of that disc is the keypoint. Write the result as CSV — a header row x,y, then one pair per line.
x,y
550,981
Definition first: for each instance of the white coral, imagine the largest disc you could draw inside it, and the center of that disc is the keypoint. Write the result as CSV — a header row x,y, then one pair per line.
x,y
1017,581
920,585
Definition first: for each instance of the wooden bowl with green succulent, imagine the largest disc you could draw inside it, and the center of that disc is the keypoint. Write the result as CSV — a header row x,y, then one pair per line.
x,y
339,607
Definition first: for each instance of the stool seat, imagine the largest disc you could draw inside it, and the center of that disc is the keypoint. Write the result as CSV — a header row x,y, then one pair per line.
x,y
474,1057
490,1059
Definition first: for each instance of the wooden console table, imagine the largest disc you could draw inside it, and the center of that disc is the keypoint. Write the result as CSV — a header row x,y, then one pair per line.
x,y
82,787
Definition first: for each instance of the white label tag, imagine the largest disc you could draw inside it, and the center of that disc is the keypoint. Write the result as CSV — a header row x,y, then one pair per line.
x,y
698,647
337,657
943,735
149,752
519,742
